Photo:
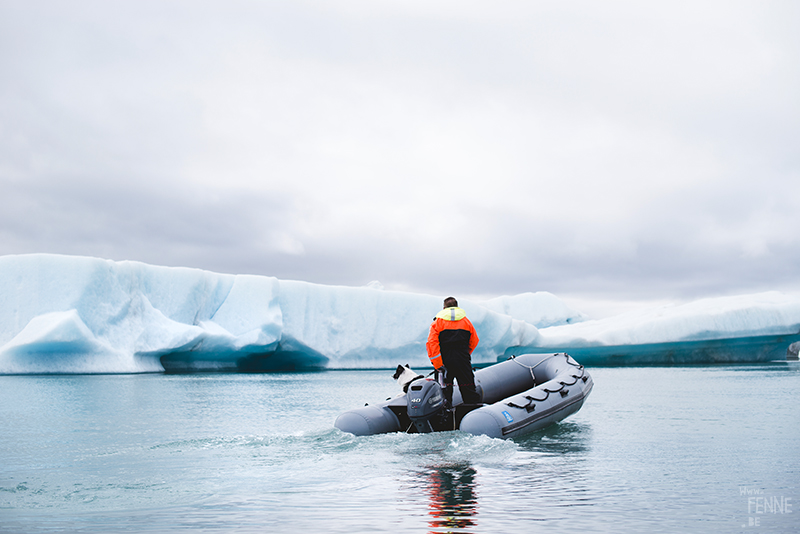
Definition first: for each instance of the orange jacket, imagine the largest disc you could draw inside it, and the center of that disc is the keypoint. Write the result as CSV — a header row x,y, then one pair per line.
x,y
452,331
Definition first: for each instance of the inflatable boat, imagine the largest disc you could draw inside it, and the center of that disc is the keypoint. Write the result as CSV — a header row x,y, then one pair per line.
x,y
518,396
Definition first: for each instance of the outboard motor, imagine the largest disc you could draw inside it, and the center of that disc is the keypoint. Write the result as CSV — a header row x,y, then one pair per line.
x,y
425,402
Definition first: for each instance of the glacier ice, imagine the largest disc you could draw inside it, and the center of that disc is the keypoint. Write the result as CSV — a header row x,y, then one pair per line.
x,y
69,314
743,328
542,309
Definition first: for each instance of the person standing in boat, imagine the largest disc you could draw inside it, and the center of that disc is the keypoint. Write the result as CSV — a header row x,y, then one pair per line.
x,y
451,340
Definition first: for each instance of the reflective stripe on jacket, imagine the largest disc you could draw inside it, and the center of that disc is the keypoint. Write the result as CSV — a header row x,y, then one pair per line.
x,y
452,333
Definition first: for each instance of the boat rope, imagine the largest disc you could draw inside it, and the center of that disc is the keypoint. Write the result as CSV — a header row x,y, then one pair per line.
x,y
532,367
531,406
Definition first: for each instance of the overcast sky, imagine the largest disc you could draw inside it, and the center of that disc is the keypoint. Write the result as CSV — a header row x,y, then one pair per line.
x,y
628,152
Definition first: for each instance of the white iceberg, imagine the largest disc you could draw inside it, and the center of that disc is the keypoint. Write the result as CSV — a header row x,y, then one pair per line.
x,y
542,309
745,328
67,314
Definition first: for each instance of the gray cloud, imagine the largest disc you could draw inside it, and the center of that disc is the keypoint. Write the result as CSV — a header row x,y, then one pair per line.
x,y
622,151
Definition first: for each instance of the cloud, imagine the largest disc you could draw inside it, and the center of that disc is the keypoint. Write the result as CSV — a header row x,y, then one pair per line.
x,y
609,151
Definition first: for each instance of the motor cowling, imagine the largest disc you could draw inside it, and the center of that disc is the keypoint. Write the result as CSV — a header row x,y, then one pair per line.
x,y
424,400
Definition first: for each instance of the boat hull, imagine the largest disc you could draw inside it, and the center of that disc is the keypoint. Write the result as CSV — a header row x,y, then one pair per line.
x,y
520,395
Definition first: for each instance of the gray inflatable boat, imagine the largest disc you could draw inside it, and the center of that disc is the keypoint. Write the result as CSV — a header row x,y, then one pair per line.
x,y
520,395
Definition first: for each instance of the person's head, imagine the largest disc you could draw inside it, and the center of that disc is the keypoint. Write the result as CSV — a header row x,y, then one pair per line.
x,y
450,302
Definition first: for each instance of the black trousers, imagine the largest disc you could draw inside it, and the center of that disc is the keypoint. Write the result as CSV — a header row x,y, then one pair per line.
x,y
459,368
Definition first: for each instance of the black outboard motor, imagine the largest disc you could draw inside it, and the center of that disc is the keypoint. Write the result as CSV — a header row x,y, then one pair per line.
x,y
425,402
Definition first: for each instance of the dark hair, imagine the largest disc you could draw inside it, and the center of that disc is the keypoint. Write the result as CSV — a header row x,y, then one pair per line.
x,y
450,302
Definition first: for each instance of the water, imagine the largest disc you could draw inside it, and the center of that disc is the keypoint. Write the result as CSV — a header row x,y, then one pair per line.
x,y
662,449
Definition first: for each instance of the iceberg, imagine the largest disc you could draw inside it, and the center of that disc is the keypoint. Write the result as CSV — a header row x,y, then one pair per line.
x,y
744,328
69,314
541,309
72,314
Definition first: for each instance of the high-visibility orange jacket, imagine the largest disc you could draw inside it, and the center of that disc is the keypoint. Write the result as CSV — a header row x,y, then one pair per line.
x,y
452,334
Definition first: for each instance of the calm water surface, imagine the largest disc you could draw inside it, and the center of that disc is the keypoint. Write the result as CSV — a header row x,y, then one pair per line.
x,y
673,449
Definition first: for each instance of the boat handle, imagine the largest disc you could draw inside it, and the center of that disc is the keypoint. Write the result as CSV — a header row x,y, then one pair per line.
x,y
528,407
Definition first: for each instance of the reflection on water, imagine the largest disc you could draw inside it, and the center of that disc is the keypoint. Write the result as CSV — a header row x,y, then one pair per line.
x,y
456,469
453,499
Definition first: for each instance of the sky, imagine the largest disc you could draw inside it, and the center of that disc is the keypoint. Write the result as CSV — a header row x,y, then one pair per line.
x,y
616,154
